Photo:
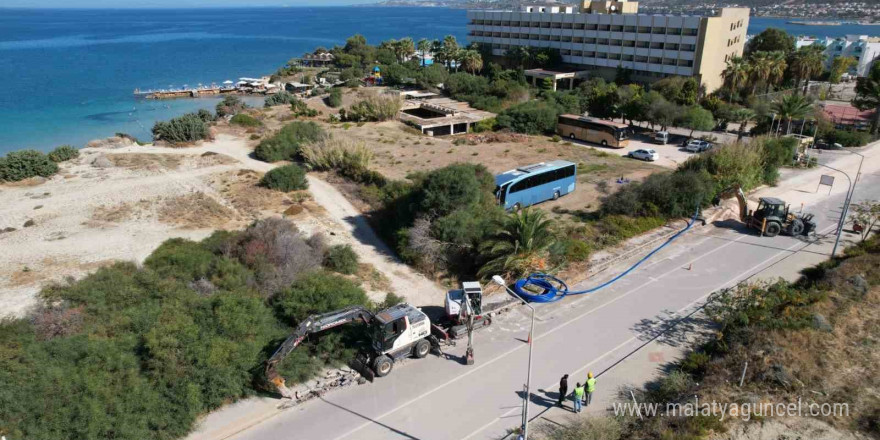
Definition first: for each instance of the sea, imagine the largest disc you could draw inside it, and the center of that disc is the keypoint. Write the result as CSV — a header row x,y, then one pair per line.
x,y
68,76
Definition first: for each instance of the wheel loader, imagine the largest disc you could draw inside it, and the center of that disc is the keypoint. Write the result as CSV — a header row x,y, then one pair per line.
x,y
772,216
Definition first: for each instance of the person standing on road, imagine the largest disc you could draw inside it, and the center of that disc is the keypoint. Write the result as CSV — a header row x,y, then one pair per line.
x,y
590,387
577,396
563,389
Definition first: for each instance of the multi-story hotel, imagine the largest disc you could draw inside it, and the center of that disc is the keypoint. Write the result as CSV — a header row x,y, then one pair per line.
x,y
863,48
597,37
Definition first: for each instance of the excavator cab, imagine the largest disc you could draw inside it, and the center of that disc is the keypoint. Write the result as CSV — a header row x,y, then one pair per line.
x,y
771,208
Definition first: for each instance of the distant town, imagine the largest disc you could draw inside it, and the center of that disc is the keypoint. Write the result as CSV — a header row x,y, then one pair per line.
x,y
829,13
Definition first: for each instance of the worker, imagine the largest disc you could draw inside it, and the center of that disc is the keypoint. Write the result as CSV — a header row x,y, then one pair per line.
x,y
563,389
590,387
577,396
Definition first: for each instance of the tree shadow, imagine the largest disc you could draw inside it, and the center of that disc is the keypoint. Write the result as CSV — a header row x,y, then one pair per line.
x,y
669,329
363,231
394,430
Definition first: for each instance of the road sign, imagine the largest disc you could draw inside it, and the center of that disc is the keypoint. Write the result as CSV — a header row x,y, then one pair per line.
x,y
826,180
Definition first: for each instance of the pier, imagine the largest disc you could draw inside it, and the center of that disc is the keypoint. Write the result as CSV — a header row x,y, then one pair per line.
x,y
184,93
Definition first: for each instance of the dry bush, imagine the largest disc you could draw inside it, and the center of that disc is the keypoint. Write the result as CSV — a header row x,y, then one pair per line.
x,y
374,109
146,161
56,321
195,210
337,153
278,252
590,428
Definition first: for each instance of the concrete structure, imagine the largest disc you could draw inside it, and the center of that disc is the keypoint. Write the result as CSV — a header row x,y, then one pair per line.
x,y
601,36
863,48
440,116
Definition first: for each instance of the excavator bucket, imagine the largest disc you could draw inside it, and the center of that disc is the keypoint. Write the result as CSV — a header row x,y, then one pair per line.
x,y
361,364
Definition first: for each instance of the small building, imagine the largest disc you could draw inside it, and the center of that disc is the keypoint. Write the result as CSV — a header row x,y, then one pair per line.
x,y
323,59
297,87
847,116
568,75
439,116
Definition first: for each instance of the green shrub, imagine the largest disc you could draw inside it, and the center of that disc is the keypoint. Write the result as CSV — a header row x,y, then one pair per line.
x,y
285,178
279,98
317,292
349,158
570,250
181,259
205,115
342,259
63,154
285,144
533,117
187,128
484,125
23,164
848,138
454,187
665,195
300,108
335,98
695,362
245,120
374,109
230,105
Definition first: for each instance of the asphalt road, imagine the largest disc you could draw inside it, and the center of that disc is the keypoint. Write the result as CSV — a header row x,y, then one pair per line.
x,y
441,398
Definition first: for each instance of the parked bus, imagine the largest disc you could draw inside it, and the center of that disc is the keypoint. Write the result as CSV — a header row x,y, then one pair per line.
x,y
598,131
526,186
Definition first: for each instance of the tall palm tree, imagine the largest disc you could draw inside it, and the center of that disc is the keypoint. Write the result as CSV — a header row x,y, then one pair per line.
x,y
792,107
424,46
735,74
742,116
868,95
759,69
805,63
472,61
776,65
519,245
437,50
450,50
404,49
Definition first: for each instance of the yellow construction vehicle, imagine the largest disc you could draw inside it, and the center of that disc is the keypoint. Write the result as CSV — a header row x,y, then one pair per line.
x,y
771,217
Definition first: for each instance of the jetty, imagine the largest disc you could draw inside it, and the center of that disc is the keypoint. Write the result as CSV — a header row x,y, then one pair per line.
x,y
184,92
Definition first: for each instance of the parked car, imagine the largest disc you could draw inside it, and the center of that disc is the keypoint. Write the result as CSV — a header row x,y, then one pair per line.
x,y
660,137
647,155
697,146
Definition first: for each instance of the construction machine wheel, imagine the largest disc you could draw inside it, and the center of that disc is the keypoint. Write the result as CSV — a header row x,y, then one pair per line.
x,y
796,227
421,349
773,229
383,365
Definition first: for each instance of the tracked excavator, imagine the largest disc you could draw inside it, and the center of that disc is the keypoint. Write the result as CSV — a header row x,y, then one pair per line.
x,y
771,217
397,332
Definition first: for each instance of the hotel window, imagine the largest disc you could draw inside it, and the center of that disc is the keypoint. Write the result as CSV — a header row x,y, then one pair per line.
x,y
685,63
669,62
616,28
577,40
629,29
642,44
673,31
579,26
691,32
590,40
641,59
626,57
602,41
590,54
688,47
644,30
566,25
656,45
654,60
601,55
604,27
629,43
616,43
658,31
671,46
592,27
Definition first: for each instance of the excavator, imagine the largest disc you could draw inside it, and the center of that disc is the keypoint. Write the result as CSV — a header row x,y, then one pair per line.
x,y
396,332
771,217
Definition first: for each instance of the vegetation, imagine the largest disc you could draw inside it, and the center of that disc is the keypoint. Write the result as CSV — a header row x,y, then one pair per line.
x,y
184,334
286,143
334,100
280,98
868,95
341,258
285,178
245,120
349,158
187,128
24,164
300,108
519,245
373,109
63,154
230,105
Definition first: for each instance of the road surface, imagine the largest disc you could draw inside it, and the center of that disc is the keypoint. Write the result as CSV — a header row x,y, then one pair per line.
x,y
441,398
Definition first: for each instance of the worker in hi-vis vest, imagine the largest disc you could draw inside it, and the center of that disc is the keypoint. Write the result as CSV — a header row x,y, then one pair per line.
x,y
590,387
577,396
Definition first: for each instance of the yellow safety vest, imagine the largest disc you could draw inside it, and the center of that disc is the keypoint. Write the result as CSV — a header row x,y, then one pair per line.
x,y
591,385
579,392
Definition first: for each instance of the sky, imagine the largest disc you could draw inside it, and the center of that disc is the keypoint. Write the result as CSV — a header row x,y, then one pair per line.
x,y
116,4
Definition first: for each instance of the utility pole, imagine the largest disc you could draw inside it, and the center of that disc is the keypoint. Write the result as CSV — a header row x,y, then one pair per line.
x,y
849,194
525,419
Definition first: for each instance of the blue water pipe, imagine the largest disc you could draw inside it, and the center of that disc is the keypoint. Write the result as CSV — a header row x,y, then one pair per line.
x,y
554,289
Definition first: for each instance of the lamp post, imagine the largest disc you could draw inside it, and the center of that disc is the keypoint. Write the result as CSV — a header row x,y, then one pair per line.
x,y
525,419
849,194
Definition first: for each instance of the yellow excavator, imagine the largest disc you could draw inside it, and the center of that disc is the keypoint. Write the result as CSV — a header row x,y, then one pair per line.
x,y
771,217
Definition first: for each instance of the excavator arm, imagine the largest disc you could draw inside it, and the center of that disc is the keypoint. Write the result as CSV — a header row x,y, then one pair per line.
x,y
310,325
737,191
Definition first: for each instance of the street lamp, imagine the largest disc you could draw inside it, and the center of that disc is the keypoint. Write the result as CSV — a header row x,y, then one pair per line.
x,y
849,194
525,419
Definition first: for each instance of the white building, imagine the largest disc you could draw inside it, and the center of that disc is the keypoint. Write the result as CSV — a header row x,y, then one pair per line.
x,y
599,36
861,47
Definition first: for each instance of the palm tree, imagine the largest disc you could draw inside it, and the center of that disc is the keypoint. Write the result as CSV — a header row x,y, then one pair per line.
x,y
424,46
792,107
760,67
450,50
806,62
519,245
472,61
868,95
735,74
776,68
742,116
404,49
518,56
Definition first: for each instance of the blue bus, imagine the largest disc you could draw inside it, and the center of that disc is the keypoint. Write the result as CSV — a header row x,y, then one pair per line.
x,y
526,186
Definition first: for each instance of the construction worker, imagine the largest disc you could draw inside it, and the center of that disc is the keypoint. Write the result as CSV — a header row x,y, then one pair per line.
x,y
563,389
590,387
577,396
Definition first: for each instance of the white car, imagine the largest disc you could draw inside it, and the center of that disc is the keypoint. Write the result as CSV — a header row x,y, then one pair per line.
x,y
697,146
649,155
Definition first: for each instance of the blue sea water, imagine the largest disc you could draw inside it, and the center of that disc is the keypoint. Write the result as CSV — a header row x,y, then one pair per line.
x,y
68,75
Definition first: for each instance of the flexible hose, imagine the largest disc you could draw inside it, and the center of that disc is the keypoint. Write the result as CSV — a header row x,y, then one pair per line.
x,y
554,289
